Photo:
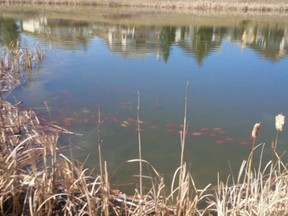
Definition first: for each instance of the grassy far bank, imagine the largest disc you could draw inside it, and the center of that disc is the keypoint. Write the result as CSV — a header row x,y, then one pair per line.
x,y
192,6
139,16
36,179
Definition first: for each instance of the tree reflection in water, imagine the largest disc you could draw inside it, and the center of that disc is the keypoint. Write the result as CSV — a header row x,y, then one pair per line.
x,y
9,31
167,39
269,40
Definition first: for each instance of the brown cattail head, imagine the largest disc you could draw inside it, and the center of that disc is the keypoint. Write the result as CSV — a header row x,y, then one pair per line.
x,y
255,130
279,122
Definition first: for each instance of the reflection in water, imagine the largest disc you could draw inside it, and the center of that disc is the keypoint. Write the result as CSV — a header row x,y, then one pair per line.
x,y
271,43
90,77
129,41
167,38
136,41
9,31
59,32
200,41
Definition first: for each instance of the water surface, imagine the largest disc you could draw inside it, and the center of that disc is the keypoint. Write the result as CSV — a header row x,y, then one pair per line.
x,y
237,75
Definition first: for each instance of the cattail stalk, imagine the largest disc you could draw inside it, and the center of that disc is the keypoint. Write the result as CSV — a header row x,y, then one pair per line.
x,y
279,123
254,135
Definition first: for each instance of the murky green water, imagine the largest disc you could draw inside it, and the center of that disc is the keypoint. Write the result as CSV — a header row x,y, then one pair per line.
x,y
238,76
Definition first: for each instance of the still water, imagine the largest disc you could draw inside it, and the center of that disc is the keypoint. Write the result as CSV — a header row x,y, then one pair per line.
x,y
238,76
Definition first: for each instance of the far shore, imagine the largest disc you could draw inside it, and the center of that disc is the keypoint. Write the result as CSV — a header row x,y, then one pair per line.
x,y
250,7
141,15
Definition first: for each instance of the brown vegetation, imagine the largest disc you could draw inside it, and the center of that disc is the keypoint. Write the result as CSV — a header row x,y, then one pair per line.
x,y
36,179
243,6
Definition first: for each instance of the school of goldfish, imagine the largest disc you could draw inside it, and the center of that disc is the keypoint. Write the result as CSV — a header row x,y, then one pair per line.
x,y
86,116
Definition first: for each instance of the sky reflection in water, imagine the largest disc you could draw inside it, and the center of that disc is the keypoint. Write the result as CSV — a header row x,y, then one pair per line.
x,y
238,76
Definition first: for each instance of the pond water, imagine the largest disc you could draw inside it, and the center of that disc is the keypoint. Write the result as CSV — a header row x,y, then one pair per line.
x,y
237,73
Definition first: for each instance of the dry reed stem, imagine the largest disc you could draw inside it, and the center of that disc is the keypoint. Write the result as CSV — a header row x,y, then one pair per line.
x,y
254,135
279,123
99,143
264,194
49,183
140,154
24,142
182,173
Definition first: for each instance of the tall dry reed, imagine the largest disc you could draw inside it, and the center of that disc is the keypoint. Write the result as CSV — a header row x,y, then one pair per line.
x,y
261,191
37,179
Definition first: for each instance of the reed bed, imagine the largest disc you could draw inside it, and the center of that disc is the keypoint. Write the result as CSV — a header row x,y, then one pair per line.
x,y
37,179
261,190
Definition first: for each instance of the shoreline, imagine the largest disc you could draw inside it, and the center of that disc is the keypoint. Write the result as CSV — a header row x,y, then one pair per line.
x,y
37,179
137,16
49,182
235,7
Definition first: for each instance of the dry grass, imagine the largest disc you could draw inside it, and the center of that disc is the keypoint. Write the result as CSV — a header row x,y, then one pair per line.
x,y
258,191
36,179
244,6
142,16
265,192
